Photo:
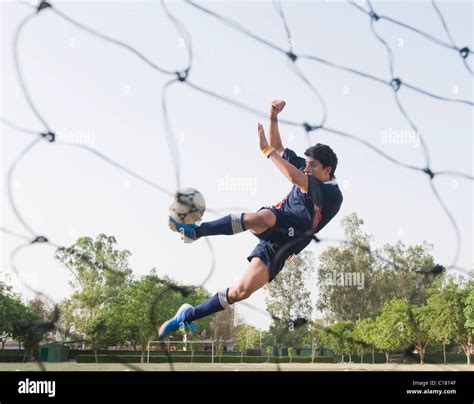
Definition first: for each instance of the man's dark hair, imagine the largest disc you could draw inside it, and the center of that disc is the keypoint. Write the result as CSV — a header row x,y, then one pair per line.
x,y
324,154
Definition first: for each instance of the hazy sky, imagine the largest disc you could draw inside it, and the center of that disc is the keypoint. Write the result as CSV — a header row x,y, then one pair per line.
x,y
97,94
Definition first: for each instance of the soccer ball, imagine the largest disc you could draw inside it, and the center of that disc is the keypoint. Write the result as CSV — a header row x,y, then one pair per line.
x,y
187,206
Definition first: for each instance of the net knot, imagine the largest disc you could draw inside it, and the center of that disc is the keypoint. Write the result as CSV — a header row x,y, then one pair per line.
x,y
292,56
49,136
42,6
374,16
396,83
182,76
309,128
464,52
428,171
40,239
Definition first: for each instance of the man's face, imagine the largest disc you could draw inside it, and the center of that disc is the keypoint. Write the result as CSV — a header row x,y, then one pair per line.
x,y
316,169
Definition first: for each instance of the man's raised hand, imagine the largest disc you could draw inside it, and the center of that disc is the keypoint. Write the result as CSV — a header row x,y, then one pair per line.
x,y
261,137
277,107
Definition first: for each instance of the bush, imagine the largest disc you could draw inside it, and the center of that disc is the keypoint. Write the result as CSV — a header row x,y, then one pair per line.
x,y
196,359
231,359
12,355
182,359
137,358
232,353
301,359
379,357
437,358
323,359
8,352
160,357
252,359
11,358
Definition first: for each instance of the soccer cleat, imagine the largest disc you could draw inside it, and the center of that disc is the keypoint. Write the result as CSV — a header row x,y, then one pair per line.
x,y
177,322
188,231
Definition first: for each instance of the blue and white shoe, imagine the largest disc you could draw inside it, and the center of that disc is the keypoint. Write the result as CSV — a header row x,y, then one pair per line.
x,y
188,231
177,322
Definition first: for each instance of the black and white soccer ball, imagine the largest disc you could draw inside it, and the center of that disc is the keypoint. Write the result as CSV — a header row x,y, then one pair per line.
x,y
188,206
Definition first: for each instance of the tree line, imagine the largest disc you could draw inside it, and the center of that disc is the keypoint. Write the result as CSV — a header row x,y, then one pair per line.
x,y
391,299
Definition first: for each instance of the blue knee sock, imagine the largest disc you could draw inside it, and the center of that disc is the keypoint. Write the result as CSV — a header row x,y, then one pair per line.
x,y
230,224
218,302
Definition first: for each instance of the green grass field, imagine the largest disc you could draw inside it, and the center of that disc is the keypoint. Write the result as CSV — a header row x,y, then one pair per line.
x,y
232,367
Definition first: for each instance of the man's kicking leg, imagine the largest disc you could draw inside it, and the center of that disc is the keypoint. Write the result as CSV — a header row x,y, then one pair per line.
x,y
256,222
256,276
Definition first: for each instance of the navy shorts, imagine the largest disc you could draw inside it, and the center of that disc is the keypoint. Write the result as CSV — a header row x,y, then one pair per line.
x,y
280,242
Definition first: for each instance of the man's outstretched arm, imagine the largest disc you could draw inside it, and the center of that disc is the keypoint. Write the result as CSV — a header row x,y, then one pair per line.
x,y
296,176
274,137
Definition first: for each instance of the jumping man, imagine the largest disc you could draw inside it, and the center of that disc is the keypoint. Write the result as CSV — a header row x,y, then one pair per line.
x,y
284,229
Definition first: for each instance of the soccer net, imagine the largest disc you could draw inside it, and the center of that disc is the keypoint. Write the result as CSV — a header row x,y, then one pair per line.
x,y
191,348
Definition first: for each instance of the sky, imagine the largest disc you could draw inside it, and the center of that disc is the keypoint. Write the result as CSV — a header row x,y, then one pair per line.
x,y
97,94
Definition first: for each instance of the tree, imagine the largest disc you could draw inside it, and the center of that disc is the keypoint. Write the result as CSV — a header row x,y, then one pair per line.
x,y
66,321
365,333
291,351
288,294
42,312
292,333
355,279
193,350
222,324
466,333
269,350
40,307
101,271
134,313
129,314
447,315
246,337
442,316
402,323
30,328
9,305
358,340
25,323
405,271
346,283
314,335
418,329
469,308
339,338
288,299
390,327
266,338
220,350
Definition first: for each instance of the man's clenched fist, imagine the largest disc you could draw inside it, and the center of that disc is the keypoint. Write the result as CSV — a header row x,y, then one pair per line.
x,y
277,107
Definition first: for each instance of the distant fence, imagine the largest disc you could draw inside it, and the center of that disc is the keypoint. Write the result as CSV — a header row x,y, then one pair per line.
x,y
131,356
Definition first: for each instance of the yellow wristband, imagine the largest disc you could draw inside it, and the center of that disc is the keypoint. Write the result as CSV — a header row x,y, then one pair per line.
x,y
268,150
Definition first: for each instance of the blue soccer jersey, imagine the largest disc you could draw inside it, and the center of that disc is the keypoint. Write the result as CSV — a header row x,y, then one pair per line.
x,y
296,214
315,208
